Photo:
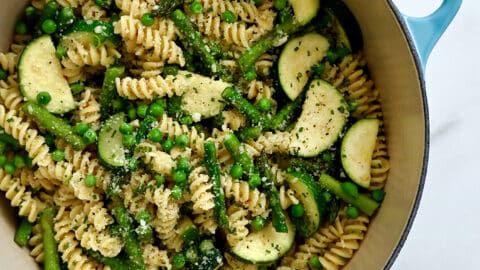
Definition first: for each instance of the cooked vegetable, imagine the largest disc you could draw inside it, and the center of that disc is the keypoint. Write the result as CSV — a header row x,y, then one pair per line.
x,y
111,151
305,10
24,230
109,89
50,250
53,124
244,106
39,70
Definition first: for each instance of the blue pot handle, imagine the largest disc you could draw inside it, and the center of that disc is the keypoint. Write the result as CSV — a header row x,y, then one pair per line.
x,y
427,30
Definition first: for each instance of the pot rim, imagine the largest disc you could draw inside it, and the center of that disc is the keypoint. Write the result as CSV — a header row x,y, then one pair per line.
x,y
421,185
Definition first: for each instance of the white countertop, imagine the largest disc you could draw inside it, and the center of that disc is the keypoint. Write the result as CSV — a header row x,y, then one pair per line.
x,y
446,231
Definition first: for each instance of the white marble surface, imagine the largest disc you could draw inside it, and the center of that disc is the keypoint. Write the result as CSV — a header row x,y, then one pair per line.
x,y
446,231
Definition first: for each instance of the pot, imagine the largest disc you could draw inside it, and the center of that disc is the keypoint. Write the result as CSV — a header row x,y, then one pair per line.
x,y
396,48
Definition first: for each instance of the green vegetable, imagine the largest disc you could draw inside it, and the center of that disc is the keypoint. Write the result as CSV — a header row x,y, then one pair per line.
x,y
213,169
159,179
168,144
109,89
186,120
3,160
131,245
9,168
58,155
191,255
52,260
196,7
258,223
179,176
128,140
142,110
315,263
228,16
254,180
350,188
244,106
378,195
195,40
147,19
49,10
81,128
77,87
155,109
90,180
236,171
144,128
206,245
53,124
21,28
183,164
125,128
297,210
280,4
282,118
249,133
18,161
90,136
170,70
177,192
115,263
182,140
3,74
352,212
155,135
43,98
278,216
264,104
49,26
178,261
362,202
24,230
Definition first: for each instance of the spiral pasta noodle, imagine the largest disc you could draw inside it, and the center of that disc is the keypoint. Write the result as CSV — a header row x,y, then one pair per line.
x,y
72,253
206,222
233,120
28,178
157,160
131,29
237,217
241,193
89,111
201,190
136,8
28,206
91,11
36,243
155,258
70,3
257,90
269,142
26,136
8,62
150,88
230,33
166,219
12,98
380,164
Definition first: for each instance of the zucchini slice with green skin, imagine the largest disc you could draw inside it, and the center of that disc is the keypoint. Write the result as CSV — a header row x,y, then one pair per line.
x,y
323,117
110,142
357,150
265,246
296,60
305,10
39,70
308,193
346,28
94,31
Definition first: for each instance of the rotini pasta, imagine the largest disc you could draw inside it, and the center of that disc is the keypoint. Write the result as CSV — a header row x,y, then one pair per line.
x,y
200,188
240,192
36,243
8,62
136,8
238,223
89,111
92,11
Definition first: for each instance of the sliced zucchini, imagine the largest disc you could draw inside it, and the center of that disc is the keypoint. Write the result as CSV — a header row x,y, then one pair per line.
x,y
265,246
345,26
39,70
305,10
308,193
357,150
296,60
187,230
322,119
110,145
203,95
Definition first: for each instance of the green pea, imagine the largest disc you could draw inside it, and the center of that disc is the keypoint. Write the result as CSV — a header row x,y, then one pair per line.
x,y
21,28
81,128
179,176
236,171
250,75
186,120
49,139
131,113
155,135
280,4
178,261
9,168
132,164
155,110
378,195
49,26
3,74
297,210
183,164
182,140
118,104
315,263
18,161
3,147
31,13
190,235
77,87
128,140
90,180
142,110
327,196
143,215
206,245
352,212
43,98
58,155
318,69
159,179
228,16
145,233
28,161
177,192
170,70
3,160
168,144
196,7
126,128
350,188
331,56
342,52
147,19
66,15
327,157
90,136
264,104
258,223
352,105
50,9
254,180
191,255
61,52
